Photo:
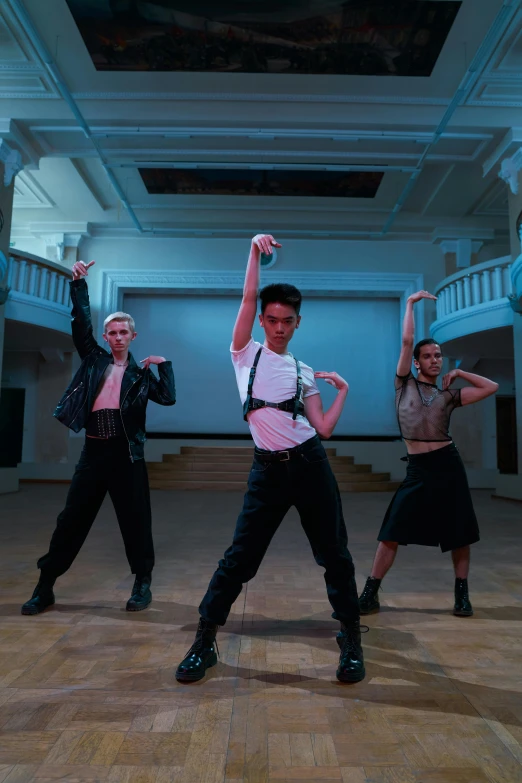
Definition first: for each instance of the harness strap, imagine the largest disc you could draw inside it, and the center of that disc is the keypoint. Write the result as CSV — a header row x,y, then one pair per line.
x,y
293,406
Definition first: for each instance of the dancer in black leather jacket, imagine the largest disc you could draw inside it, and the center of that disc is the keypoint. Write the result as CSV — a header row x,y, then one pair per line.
x,y
108,397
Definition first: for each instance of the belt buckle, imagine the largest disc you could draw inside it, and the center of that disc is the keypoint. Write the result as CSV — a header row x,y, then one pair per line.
x,y
285,459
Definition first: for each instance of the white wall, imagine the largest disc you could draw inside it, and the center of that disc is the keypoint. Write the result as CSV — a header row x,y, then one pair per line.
x,y
358,338
296,255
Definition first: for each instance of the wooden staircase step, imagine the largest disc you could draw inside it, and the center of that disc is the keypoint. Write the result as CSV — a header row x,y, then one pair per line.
x,y
363,486
236,458
228,467
225,475
199,485
226,450
234,467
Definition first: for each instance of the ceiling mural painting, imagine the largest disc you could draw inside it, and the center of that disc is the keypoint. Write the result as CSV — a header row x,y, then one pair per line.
x,y
251,182
347,37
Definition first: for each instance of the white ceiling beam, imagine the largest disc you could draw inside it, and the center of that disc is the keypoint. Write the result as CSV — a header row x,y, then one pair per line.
x,y
512,138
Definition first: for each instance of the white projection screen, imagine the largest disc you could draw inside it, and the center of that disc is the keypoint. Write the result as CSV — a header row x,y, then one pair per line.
x,y
356,337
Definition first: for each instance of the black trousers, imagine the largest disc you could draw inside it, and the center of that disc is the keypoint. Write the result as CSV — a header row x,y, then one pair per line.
x,y
305,481
104,466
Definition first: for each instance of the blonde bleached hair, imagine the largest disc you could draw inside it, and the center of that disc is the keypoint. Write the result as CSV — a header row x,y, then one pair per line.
x,y
120,317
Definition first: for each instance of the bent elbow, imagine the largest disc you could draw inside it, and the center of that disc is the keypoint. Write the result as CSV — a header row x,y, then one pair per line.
x,y
324,434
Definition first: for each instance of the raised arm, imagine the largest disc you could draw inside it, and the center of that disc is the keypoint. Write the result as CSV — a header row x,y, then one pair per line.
x,y
261,243
81,327
480,387
163,391
324,422
408,333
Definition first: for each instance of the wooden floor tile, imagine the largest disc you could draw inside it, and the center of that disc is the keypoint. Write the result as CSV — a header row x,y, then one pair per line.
x,y
88,693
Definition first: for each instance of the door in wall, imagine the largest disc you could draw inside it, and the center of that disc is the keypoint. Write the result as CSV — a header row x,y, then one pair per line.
x,y
507,459
12,403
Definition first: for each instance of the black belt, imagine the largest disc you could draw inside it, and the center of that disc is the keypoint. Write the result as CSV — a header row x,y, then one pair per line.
x,y
286,454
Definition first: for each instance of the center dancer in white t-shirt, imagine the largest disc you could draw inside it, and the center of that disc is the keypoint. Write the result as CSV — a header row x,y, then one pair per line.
x,y
283,407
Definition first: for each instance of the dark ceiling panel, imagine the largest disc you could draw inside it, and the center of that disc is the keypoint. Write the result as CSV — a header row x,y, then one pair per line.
x,y
351,37
250,182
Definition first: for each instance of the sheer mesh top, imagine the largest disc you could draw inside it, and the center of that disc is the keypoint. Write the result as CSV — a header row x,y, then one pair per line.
x,y
423,410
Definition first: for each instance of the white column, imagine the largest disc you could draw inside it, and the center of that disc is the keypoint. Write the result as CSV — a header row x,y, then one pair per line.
x,y
506,274
52,286
33,271
486,285
22,269
59,292
453,297
467,291
460,295
475,289
497,283
42,288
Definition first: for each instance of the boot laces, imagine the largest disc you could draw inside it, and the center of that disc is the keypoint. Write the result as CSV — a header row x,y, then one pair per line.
x,y
200,642
350,639
369,591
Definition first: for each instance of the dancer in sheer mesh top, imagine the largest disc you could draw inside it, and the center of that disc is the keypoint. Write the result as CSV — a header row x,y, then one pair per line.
x,y
433,505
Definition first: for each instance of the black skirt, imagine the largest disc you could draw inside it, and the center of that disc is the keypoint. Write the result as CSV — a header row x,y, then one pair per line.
x,y
433,505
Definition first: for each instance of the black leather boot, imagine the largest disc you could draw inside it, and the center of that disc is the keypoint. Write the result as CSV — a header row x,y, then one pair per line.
x,y
351,661
141,595
369,598
462,606
202,655
42,598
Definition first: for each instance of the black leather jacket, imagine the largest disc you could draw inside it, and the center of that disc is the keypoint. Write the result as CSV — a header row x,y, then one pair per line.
x,y
137,388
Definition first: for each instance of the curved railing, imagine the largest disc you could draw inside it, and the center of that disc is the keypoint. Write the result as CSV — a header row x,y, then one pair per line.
x,y
38,291
473,300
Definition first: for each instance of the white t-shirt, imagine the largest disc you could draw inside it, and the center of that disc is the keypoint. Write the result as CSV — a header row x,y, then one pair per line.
x,y
275,381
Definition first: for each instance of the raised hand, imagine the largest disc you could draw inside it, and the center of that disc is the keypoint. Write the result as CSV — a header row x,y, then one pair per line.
x,y
421,295
449,378
334,379
80,269
265,243
152,360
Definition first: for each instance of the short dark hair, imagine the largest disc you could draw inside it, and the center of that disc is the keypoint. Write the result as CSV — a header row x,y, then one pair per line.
x,y
421,344
282,293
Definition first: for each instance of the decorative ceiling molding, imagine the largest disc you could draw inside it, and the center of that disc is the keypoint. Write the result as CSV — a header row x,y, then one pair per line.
x,y
116,283
455,233
256,97
10,131
12,161
493,203
22,75
29,194
501,80
509,169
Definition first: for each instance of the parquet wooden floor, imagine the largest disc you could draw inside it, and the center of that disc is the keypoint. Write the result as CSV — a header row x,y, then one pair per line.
x,y
87,692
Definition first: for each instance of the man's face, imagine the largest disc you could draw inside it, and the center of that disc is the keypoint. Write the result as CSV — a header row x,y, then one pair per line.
x,y
430,361
119,336
279,322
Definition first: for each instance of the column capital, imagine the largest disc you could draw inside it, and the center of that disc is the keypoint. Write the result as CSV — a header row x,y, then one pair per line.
x,y
54,246
12,161
509,169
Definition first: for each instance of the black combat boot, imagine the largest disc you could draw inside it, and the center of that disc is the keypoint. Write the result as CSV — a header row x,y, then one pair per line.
x,y
42,597
351,660
462,606
369,599
202,655
141,595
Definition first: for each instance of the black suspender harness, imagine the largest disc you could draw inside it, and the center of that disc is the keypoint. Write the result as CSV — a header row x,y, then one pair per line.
x,y
293,406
